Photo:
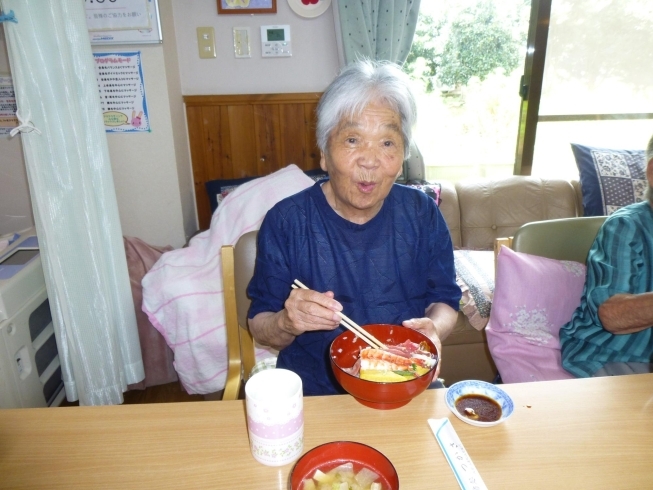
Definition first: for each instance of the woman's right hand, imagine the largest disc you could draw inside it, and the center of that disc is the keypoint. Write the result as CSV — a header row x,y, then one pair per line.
x,y
307,310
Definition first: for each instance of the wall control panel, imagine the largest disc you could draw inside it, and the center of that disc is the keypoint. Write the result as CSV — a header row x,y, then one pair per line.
x,y
275,41
241,42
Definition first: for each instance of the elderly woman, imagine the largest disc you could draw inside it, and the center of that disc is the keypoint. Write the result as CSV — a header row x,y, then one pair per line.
x,y
377,251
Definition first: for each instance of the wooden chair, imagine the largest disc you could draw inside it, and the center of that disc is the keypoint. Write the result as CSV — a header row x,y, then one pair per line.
x,y
561,239
237,269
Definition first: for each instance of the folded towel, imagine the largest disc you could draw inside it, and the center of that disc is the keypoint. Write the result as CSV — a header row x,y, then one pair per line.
x,y
183,294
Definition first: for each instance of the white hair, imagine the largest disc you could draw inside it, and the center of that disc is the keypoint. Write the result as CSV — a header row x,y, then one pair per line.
x,y
359,84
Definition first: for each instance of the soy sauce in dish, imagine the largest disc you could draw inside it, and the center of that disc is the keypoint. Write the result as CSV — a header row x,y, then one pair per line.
x,y
478,407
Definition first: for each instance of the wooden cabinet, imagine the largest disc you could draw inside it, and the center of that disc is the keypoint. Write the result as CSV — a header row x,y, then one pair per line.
x,y
235,136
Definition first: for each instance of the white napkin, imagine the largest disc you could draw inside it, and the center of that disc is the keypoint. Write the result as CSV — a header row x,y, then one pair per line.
x,y
454,451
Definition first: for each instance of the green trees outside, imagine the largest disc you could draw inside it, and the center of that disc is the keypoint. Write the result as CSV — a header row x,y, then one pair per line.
x,y
463,43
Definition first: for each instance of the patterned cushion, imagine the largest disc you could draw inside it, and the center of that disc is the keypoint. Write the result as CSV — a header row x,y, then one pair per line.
x,y
475,276
533,298
610,179
214,189
429,188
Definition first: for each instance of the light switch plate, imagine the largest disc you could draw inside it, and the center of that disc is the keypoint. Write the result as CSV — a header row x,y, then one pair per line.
x,y
206,42
241,42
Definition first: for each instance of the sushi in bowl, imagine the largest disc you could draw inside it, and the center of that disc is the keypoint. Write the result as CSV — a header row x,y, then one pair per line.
x,y
384,378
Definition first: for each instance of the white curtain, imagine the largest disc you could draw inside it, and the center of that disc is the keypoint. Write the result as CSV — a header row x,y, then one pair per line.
x,y
73,199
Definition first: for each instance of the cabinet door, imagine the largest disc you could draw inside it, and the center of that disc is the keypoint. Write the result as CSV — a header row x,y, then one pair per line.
x,y
237,136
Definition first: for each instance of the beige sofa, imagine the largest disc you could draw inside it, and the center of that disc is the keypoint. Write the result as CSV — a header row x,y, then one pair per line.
x,y
477,212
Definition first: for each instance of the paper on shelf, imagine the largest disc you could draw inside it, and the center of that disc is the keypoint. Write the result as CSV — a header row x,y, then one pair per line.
x,y
454,451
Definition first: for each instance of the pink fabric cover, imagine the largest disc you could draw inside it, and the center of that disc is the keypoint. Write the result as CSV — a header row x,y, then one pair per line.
x,y
183,294
533,298
157,356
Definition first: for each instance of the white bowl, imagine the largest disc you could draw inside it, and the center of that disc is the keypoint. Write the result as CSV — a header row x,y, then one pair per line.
x,y
469,387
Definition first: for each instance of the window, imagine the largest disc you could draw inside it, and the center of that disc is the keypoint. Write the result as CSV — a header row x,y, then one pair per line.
x,y
505,86
466,60
597,87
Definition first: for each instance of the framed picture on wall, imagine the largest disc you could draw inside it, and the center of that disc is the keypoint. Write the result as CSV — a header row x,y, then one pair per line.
x,y
247,6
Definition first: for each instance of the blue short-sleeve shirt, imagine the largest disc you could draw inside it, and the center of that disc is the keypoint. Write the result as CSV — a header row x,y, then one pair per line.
x,y
387,270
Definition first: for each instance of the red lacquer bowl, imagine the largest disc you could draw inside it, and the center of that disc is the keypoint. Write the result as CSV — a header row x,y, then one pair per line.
x,y
328,456
344,353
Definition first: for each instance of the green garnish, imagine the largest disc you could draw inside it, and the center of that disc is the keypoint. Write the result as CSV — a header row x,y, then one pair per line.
x,y
407,374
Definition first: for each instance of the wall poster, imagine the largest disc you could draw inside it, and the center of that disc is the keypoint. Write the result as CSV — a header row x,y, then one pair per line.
x,y
123,21
122,92
8,119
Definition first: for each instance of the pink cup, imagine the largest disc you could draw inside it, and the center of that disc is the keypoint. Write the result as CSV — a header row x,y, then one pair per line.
x,y
275,416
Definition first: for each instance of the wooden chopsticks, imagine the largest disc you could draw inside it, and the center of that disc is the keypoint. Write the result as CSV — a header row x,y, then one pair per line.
x,y
351,326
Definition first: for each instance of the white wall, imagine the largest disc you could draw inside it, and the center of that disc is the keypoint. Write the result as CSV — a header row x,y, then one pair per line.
x,y
144,164
313,64
178,120
15,206
152,171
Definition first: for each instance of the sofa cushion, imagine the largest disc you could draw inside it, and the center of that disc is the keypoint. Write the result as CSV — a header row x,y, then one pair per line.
x,y
450,209
495,208
533,297
463,333
610,179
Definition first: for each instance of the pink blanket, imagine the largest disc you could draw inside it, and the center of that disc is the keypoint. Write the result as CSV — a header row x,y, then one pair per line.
x,y
183,295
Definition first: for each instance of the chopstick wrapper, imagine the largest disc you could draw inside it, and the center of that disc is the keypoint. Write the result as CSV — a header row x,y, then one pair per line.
x,y
454,451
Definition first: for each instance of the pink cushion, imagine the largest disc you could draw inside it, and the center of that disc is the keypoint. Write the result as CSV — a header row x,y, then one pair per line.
x,y
533,298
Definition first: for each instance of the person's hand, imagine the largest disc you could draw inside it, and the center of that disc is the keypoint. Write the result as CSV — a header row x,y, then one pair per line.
x,y
427,327
307,310
438,323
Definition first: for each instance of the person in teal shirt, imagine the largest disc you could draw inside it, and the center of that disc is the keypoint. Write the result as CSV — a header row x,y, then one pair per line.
x,y
611,332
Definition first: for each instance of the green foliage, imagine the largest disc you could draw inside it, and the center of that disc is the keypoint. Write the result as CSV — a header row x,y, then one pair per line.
x,y
474,43
423,60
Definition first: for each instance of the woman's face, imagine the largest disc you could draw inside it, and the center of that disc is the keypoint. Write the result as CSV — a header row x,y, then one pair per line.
x,y
365,155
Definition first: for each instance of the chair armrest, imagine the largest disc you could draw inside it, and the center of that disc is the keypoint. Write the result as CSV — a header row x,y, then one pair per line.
x,y
507,241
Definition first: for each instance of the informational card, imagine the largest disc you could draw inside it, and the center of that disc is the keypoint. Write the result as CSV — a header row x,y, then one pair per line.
x,y
123,21
115,15
122,92
8,119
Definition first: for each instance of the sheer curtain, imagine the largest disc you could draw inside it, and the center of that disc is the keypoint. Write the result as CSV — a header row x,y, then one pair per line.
x,y
376,29
73,198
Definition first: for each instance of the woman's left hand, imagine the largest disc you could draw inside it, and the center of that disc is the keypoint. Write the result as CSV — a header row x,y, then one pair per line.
x,y
436,325
427,327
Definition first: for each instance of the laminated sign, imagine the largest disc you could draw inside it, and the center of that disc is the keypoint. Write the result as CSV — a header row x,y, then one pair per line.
x,y
122,92
8,119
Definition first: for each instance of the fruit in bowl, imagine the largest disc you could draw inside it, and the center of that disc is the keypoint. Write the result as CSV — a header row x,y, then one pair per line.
x,y
408,366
